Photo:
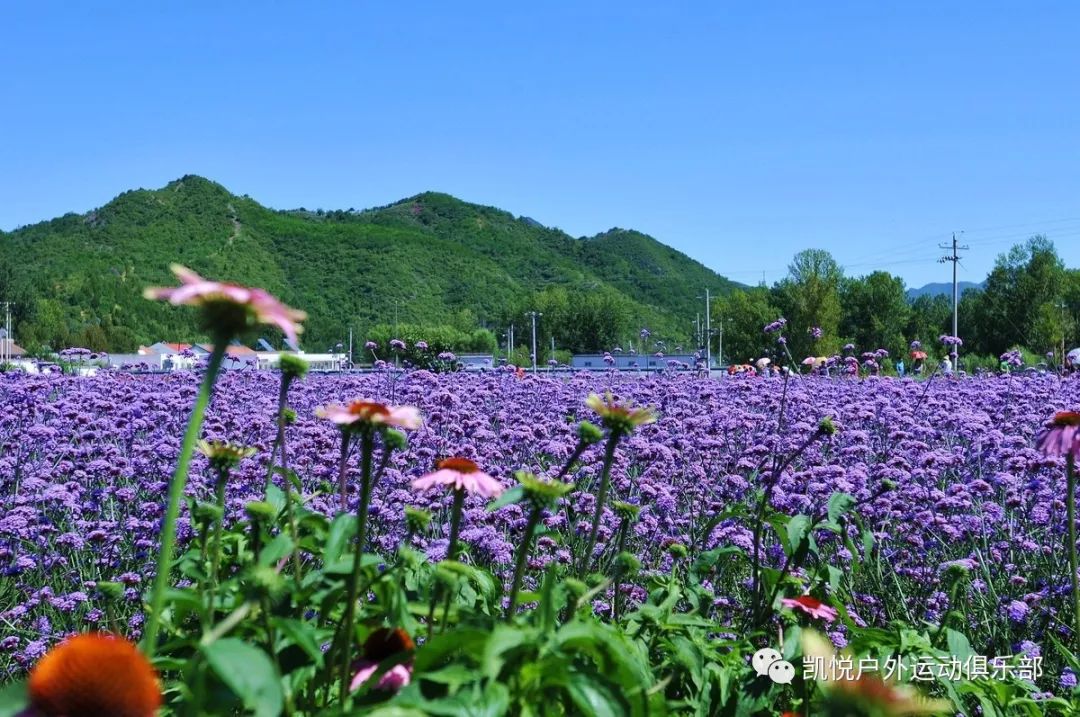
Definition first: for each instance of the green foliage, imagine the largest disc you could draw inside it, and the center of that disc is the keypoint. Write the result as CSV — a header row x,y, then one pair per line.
x,y
809,297
876,312
744,312
430,259
1030,301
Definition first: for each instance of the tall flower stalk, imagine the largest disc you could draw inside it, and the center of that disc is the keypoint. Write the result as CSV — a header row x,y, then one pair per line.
x,y
620,420
223,457
176,497
292,368
461,476
1070,509
226,311
366,420
1060,437
367,447
541,496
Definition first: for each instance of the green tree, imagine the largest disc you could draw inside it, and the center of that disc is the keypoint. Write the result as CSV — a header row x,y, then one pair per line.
x,y
744,313
1015,307
810,297
875,312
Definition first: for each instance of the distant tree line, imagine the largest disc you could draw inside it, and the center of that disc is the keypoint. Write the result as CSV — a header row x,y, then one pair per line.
x,y
1030,300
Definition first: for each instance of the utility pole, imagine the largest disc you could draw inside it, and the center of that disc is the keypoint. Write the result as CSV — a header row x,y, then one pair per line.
x,y
1061,305
720,360
954,257
552,348
6,351
510,344
708,333
533,315
697,329
350,347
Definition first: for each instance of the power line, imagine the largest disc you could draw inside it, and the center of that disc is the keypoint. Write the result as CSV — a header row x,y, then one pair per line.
x,y
954,257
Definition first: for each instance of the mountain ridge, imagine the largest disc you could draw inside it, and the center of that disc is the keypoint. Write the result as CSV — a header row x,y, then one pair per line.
x,y
426,259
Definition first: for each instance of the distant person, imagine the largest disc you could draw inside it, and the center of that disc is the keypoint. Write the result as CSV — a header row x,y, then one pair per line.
x,y
946,366
900,368
1072,361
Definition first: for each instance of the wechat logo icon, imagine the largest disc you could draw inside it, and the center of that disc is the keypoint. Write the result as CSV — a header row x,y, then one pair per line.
x,y
768,661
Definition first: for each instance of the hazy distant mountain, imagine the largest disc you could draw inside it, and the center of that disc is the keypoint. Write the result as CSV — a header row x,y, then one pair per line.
x,y
944,287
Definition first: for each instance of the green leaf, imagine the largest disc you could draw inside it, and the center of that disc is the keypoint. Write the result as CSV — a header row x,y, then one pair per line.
x,y
503,639
453,676
514,495
290,475
276,497
302,635
276,549
708,559
342,530
249,673
959,647
839,504
798,527
592,697
13,699
438,649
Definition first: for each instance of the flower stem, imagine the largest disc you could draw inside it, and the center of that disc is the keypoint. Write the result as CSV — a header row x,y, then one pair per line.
x,y
452,548
290,511
522,559
176,496
455,524
215,557
1070,507
601,495
367,444
342,471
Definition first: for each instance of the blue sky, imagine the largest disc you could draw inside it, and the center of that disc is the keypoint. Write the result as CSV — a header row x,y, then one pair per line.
x,y
738,133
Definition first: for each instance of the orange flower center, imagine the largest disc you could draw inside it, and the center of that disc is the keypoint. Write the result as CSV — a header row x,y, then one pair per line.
x,y
367,409
386,641
461,465
94,674
1066,418
809,602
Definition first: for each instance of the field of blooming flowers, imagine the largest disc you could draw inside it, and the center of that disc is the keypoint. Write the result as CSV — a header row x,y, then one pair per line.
x,y
85,463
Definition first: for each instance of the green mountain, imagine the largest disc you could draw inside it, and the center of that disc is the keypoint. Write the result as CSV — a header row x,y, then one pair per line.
x,y
427,260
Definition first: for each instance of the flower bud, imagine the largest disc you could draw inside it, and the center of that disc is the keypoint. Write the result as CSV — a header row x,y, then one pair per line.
x,y
395,440
263,581
626,563
589,433
677,551
826,427
207,512
417,520
110,590
292,366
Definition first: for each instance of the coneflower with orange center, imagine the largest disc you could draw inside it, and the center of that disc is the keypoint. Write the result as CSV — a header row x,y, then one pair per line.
x,y
383,643
1060,437
93,675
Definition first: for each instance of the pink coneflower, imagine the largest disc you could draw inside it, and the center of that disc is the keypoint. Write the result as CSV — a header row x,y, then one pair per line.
x,y
380,645
1061,436
460,474
371,413
259,307
811,606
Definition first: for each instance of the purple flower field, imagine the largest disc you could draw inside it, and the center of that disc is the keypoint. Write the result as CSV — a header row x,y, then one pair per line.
x,y
85,465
